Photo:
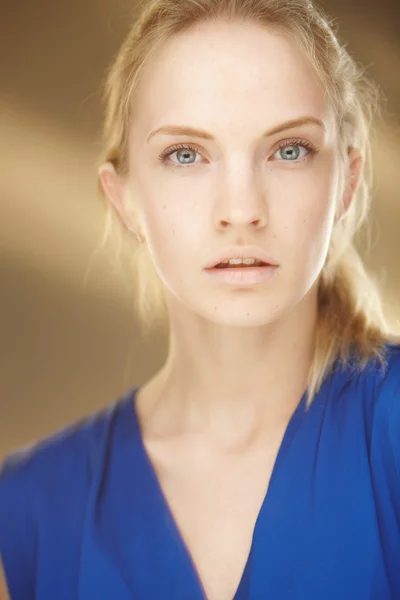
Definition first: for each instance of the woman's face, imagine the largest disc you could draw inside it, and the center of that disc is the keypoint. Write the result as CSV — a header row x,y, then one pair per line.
x,y
277,192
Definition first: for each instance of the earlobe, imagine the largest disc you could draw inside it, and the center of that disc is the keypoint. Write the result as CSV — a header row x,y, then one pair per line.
x,y
356,165
352,180
110,184
113,190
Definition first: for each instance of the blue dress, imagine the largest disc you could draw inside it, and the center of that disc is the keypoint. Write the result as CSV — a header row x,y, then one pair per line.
x,y
83,517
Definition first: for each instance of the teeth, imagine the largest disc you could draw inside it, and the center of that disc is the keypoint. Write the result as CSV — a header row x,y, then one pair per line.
x,y
241,261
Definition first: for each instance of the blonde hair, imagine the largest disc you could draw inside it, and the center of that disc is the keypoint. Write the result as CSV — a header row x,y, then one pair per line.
x,y
350,315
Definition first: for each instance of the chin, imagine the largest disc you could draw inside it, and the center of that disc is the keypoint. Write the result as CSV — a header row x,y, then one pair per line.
x,y
242,313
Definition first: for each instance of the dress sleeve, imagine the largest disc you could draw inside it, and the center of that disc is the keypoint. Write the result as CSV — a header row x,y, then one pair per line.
x,y
385,450
17,527
392,392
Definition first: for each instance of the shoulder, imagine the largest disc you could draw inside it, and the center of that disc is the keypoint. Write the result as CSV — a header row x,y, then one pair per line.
x,y
35,480
373,400
381,426
368,400
62,450
386,406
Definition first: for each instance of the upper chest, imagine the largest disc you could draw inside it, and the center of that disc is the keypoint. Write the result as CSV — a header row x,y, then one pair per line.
x,y
318,530
312,506
215,500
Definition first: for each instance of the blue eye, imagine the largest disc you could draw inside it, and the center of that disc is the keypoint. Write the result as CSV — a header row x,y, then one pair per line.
x,y
183,150
292,152
288,151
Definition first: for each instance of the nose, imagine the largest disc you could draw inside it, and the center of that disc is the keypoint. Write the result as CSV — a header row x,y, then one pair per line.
x,y
240,204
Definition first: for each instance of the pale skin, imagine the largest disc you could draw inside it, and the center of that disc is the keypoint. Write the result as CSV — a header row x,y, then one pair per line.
x,y
3,585
214,416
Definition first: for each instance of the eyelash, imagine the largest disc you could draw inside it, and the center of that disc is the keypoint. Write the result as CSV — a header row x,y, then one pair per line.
x,y
294,142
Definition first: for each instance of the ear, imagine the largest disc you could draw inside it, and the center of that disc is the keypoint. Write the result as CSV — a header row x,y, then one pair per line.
x,y
115,190
352,180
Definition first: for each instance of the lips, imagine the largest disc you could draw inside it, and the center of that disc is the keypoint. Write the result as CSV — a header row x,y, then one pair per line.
x,y
241,252
242,277
256,264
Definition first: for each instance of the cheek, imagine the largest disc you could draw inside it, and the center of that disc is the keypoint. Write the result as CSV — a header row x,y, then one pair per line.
x,y
175,207
321,212
175,223
175,235
317,218
308,221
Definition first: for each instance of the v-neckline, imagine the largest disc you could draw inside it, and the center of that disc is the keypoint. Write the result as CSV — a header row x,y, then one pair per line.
x,y
293,424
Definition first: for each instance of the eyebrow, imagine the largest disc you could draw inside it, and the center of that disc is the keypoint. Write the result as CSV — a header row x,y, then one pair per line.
x,y
192,131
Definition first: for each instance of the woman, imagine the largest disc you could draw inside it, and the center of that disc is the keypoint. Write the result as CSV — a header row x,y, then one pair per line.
x,y
261,461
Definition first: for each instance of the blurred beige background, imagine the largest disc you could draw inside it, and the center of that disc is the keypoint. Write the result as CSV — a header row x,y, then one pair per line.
x,y
70,343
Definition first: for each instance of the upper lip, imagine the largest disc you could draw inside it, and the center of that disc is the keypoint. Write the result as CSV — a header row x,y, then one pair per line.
x,y
241,252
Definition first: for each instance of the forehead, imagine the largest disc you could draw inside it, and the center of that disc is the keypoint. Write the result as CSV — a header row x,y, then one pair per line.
x,y
218,74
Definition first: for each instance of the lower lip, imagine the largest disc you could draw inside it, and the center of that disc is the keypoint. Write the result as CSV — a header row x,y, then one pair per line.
x,y
243,277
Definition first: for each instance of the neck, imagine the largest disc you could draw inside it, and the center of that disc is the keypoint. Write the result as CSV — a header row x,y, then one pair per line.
x,y
227,382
